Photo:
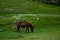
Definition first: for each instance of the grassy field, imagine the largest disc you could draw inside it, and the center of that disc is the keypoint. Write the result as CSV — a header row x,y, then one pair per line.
x,y
47,27
45,18
24,7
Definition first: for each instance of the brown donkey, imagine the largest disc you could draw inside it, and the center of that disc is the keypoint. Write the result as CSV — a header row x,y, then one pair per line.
x,y
23,24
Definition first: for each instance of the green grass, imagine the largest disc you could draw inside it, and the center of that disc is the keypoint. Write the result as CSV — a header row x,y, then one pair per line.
x,y
44,34
24,7
44,18
47,27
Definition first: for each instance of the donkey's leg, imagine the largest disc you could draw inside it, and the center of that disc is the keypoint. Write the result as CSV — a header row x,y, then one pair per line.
x,y
18,27
27,29
31,30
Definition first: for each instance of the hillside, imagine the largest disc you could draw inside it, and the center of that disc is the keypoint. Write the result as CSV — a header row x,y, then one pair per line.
x,y
25,6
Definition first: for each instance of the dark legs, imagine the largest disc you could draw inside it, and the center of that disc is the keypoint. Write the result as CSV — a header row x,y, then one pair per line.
x,y
31,30
27,29
18,27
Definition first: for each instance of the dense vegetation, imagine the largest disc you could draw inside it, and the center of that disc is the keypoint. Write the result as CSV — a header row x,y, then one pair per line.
x,y
44,17
25,6
47,27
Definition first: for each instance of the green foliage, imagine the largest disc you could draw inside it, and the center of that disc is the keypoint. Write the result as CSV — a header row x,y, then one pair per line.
x,y
44,19
26,7
47,27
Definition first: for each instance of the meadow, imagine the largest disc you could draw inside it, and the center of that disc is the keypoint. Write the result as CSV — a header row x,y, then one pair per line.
x,y
47,27
26,7
45,18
